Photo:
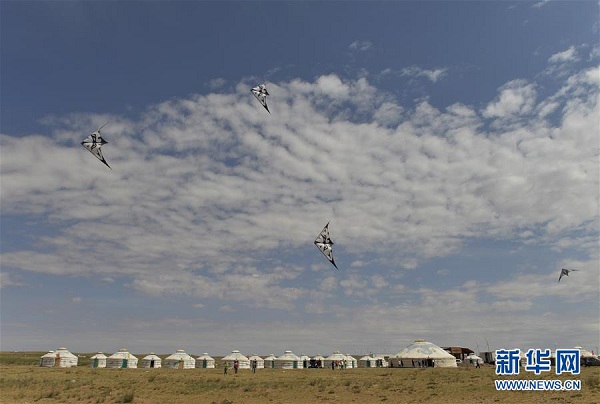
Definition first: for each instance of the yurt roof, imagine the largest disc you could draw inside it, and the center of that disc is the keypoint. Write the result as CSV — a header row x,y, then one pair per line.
x,y
235,355
180,354
49,354
270,357
472,356
151,357
64,353
288,355
336,356
584,353
205,356
366,358
122,354
255,357
319,357
350,358
99,355
421,349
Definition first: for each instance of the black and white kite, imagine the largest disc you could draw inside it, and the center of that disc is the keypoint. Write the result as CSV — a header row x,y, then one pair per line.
x,y
94,142
260,92
565,272
325,244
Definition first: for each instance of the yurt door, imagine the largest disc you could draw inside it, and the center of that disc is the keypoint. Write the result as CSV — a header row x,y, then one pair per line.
x,y
124,363
57,360
295,365
152,363
204,364
96,362
180,364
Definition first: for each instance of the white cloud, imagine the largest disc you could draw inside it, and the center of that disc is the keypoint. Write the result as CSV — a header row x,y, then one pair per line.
x,y
6,279
540,4
416,71
216,83
568,55
360,45
516,98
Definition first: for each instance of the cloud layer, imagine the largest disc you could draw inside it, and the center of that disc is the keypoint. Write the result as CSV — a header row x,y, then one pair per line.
x,y
210,196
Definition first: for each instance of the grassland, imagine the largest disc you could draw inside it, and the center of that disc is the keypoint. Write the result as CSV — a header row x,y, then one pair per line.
x,y
23,381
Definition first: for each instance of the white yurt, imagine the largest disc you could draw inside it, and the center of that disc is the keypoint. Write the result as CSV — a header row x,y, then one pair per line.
x,y
260,362
48,360
367,361
122,359
179,360
205,361
60,358
244,362
319,360
473,359
151,361
270,361
337,358
304,361
98,360
584,353
287,361
423,353
351,362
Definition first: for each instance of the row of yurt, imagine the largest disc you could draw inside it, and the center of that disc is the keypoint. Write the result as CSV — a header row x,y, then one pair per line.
x,y
59,358
423,354
180,360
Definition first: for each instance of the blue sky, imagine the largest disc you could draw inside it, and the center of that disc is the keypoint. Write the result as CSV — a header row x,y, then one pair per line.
x,y
452,145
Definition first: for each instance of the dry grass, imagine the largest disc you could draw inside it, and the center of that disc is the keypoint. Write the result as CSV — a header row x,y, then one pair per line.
x,y
28,383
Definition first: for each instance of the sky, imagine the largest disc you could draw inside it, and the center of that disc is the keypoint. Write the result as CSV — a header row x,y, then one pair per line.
x,y
452,146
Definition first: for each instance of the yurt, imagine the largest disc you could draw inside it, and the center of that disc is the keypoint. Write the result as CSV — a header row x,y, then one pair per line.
x,y
287,361
351,362
47,360
423,354
244,362
180,360
260,362
367,361
60,358
151,361
473,359
98,360
337,359
304,361
317,361
270,361
122,359
205,361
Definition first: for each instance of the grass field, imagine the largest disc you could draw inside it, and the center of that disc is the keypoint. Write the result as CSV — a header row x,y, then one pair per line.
x,y
23,381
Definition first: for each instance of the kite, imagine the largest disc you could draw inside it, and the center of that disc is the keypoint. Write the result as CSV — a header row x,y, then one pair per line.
x,y
94,142
325,244
565,272
260,92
